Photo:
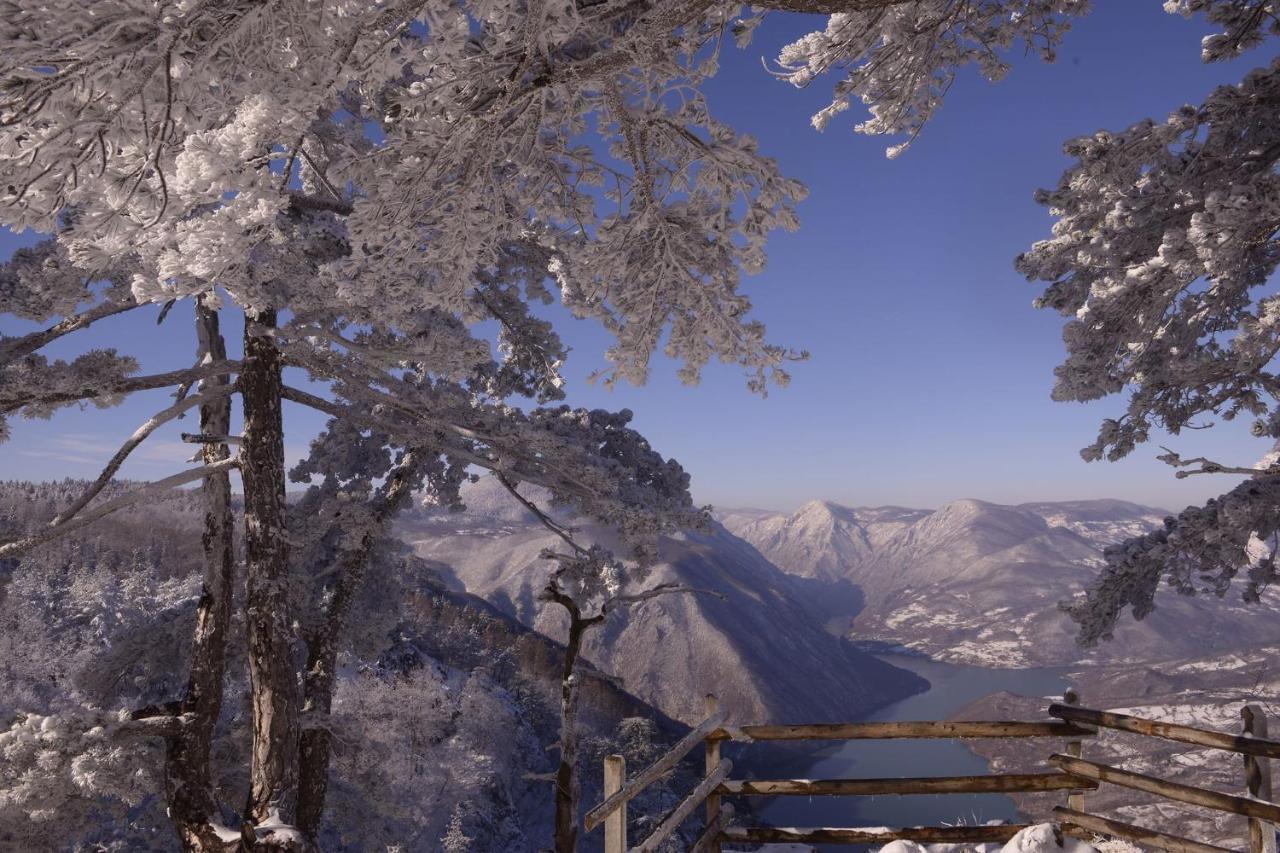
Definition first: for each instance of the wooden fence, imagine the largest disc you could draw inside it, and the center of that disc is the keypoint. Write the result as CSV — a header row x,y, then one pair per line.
x,y
1067,771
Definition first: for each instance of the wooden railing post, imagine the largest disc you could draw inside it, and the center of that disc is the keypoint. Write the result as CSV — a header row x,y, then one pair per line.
x,y
713,761
1257,778
1075,748
615,825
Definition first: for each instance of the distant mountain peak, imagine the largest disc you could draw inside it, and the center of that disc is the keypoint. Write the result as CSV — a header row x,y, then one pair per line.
x,y
821,512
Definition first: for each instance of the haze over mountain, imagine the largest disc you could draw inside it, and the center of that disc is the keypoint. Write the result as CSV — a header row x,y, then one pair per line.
x,y
759,648
978,582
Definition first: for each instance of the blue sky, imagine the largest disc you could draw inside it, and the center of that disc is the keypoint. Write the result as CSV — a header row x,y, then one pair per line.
x,y
930,371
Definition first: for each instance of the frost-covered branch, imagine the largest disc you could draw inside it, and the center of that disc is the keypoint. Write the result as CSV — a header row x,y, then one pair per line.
x,y
12,349
1208,466
139,435
1202,549
1161,260
76,387
566,534
661,589
387,425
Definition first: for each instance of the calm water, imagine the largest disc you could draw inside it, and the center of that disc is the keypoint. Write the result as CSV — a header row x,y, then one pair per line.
x,y
951,688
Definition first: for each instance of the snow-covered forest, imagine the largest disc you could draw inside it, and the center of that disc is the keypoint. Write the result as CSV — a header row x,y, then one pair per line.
x,y
426,631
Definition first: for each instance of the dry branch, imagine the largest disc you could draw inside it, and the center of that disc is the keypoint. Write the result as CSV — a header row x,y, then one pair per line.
x,y
150,490
140,435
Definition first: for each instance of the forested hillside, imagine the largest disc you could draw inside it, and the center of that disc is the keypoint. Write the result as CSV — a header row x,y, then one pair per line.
x,y
442,717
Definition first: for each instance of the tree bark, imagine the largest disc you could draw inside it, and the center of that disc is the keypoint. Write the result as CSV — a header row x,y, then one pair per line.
x,y
568,789
273,679
322,653
189,787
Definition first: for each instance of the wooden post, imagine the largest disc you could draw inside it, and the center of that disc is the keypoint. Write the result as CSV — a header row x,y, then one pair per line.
x,y
1257,778
615,825
1075,799
713,761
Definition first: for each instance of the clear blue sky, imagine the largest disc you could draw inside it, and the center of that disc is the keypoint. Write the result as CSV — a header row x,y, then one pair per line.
x,y
931,371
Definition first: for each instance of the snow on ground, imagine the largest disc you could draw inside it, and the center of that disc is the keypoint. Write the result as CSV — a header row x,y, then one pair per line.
x,y
1040,838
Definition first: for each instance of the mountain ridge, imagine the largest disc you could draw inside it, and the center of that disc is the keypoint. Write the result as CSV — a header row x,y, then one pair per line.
x,y
978,582
760,647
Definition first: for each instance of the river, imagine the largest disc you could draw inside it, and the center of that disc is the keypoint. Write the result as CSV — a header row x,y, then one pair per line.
x,y
951,687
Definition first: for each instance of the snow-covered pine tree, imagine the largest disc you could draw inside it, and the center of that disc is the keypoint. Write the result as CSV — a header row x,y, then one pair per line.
x,y
1162,259
370,181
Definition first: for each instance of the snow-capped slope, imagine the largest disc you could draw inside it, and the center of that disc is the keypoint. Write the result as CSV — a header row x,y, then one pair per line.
x,y
820,539
978,582
760,650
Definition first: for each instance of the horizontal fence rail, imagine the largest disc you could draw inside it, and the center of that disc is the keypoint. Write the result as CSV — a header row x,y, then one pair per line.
x,y
918,729
1001,784
874,835
1170,731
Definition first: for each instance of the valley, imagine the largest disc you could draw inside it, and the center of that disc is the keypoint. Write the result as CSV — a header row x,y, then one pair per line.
x,y
828,614
750,635
964,597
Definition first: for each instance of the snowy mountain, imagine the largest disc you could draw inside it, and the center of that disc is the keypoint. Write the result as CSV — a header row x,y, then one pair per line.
x,y
978,582
760,649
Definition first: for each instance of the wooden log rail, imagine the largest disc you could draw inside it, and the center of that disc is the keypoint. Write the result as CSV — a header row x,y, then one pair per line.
x,y
1257,780
1001,784
873,835
653,772
1253,744
713,832
687,806
913,730
1086,827
1257,746
1175,791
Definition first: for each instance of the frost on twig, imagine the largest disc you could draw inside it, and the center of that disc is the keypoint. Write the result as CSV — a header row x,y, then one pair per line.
x,y
1208,466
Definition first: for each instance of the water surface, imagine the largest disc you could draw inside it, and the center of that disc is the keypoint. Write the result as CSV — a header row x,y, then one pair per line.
x,y
951,687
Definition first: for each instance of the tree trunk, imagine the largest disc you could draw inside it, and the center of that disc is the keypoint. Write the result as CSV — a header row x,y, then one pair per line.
x,y
322,653
273,678
567,788
189,787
